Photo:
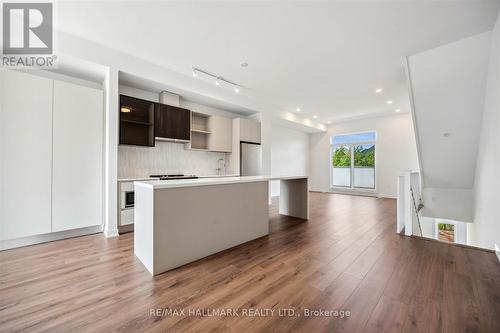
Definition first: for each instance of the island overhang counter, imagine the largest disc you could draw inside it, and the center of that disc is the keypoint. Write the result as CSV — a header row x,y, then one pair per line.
x,y
180,221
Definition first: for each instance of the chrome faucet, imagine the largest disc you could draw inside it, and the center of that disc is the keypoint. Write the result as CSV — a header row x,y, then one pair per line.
x,y
221,167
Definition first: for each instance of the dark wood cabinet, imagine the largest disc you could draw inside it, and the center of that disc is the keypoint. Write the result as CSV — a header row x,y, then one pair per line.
x,y
136,121
141,121
172,122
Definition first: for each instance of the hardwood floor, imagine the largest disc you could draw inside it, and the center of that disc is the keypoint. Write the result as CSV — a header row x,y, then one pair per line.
x,y
346,257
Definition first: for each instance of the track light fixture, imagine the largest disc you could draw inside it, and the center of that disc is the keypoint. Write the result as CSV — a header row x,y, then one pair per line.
x,y
219,80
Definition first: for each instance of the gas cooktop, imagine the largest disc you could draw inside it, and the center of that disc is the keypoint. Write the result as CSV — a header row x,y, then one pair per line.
x,y
169,177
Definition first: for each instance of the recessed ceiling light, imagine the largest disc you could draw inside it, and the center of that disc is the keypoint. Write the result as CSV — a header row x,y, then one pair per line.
x,y
195,74
125,110
315,116
297,109
236,90
329,122
398,110
217,83
244,64
378,90
389,102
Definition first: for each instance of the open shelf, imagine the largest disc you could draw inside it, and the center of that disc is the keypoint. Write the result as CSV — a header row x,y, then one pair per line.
x,y
137,122
198,141
136,134
199,122
200,131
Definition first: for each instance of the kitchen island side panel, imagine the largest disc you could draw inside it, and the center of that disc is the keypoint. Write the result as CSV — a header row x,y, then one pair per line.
x,y
191,223
294,198
143,230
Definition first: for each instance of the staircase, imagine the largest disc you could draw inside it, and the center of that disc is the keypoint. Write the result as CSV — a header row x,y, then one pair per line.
x,y
412,217
446,90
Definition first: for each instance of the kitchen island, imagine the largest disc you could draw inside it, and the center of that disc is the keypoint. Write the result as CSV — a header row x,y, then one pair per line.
x,y
180,221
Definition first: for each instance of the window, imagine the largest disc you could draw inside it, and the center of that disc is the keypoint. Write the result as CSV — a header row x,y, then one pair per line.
x,y
353,160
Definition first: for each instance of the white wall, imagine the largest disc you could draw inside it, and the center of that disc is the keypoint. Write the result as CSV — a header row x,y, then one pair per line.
x,y
448,203
485,231
395,151
289,154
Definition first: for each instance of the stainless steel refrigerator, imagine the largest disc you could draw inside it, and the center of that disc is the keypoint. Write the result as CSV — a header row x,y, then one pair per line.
x,y
250,159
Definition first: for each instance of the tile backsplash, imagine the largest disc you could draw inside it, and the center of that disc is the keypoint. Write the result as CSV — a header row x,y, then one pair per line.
x,y
168,158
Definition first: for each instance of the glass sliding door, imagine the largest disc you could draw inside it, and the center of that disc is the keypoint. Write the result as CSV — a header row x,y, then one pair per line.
x,y
364,166
341,166
353,160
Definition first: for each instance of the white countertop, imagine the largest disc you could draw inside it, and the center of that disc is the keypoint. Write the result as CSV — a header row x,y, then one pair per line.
x,y
150,178
135,179
218,176
158,184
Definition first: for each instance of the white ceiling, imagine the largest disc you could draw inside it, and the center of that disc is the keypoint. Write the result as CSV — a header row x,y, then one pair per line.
x,y
448,85
325,57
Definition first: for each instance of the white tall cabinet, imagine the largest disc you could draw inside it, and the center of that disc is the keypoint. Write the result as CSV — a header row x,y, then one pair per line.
x,y
51,156
77,172
25,155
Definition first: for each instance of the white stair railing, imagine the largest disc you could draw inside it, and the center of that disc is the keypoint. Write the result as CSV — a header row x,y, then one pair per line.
x,y
416,209
409,203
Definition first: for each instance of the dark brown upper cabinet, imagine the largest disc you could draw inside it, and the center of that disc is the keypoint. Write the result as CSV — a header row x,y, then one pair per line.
x,y
172,123
136,121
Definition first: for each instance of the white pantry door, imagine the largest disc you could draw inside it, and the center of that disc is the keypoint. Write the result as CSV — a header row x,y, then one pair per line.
x,y
25,155
78,157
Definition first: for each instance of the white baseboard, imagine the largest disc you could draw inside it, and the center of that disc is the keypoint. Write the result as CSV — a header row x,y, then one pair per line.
x,y
111,233
497,251
353,192
53,236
